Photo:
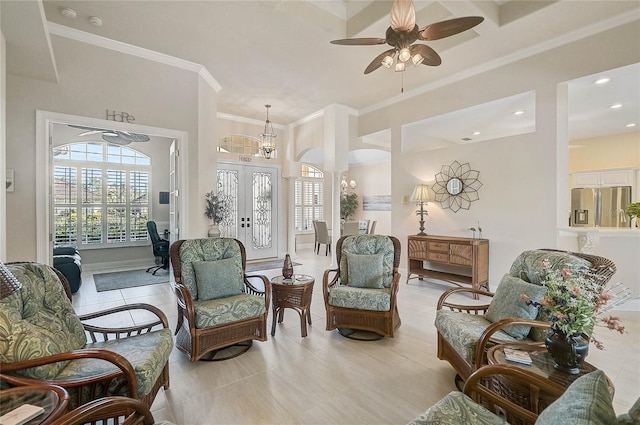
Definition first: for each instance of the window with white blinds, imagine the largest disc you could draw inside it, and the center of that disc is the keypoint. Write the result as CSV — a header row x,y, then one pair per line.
x,y
308,198
100,195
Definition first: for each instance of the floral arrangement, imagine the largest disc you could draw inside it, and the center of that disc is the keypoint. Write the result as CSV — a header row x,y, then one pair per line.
x,y
215,208
575,300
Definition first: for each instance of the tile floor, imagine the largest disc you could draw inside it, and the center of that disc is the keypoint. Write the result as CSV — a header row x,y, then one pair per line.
x,y
326,378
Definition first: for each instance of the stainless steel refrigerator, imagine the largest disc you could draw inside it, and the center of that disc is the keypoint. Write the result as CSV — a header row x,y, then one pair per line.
x,y
603,207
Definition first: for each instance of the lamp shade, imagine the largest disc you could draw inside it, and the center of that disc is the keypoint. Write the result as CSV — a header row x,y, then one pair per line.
x,y
420,193
8,282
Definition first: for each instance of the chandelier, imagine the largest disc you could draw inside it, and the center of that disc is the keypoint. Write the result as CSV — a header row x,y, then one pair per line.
x,y
268,142
345,187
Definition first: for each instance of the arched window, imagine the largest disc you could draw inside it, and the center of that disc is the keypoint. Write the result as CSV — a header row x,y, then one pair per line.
x,y
308,198
242,145
100,195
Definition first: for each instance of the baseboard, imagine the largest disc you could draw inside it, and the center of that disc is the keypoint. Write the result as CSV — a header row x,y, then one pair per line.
x,y
125,264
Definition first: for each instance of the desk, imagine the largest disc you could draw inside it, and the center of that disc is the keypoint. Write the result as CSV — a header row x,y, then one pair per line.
x,y
294,293
542,365
51,398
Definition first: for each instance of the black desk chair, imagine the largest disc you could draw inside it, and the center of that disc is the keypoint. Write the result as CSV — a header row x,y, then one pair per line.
x,y
160,248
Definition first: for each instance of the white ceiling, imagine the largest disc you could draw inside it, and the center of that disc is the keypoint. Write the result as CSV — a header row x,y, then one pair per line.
x,y
278,52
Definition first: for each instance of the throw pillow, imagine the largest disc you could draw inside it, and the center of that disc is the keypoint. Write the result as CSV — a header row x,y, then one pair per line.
x,y
218,279
506,303
586,401
365,271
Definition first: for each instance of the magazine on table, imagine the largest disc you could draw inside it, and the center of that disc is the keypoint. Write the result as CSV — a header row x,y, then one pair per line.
x,y
518,356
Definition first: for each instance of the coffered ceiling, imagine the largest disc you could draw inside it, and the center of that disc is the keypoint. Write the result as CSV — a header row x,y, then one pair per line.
x,y
278,52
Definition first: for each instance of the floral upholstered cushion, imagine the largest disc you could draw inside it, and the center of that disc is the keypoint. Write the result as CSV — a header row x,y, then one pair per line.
x,y
38,320
205,249
456,409
218,279
365,271
147,353
368,245
528,265
227,310
463,330
360,298
506,303
586,401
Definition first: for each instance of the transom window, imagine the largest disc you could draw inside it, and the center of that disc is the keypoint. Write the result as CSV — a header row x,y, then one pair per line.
x,y
308,198
100,195
243,145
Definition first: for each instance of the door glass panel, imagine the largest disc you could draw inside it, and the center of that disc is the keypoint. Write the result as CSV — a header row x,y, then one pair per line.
x,y
228,191
262,208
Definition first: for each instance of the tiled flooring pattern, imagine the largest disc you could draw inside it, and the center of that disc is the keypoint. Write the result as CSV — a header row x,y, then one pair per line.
x,y
326,378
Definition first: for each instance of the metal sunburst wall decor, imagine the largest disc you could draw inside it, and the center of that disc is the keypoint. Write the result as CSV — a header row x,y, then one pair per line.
x,y
456,186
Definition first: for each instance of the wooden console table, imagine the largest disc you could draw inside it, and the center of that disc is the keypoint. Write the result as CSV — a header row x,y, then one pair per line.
x,y
452,259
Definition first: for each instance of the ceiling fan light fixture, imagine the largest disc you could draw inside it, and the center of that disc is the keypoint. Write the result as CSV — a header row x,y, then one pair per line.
x,y
417,59
387,61
404,54
399,66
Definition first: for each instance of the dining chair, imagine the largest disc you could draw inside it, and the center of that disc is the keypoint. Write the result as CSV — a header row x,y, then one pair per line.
x,y
350,228
372,229
323,237
363,226
316,245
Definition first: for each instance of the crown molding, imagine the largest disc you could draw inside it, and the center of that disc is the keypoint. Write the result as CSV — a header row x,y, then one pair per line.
x,y
245,120
129,49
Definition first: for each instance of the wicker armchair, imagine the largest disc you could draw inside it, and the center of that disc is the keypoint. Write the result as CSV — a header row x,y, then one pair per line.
x,y
210,315
44,342
136,413
363,308
464,332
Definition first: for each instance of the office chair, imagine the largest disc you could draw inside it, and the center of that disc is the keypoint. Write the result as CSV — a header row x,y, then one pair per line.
x,y
160,248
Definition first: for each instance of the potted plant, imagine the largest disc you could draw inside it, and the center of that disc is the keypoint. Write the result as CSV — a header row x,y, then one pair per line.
x,y
348,205
215,210
633,211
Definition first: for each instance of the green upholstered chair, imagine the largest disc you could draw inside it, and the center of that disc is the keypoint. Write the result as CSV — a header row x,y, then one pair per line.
x,y
219,305
43,341
587,401
361,294
465,331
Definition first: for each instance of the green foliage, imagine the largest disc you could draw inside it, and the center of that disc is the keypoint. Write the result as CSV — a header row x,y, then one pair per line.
x,y
348,205
215,208
633,209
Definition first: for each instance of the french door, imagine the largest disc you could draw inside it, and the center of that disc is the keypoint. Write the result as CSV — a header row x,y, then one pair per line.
x,y
251,193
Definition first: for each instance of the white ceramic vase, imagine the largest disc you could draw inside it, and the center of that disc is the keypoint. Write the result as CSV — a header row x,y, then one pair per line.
x,y
214,231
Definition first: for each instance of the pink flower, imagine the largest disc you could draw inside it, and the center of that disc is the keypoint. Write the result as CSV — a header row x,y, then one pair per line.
x,y
566,274
575,291
524,297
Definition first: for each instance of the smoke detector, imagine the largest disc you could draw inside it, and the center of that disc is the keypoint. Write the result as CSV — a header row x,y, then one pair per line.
x,y
68,13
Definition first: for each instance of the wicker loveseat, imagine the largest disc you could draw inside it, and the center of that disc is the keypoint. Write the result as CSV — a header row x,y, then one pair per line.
x,y
43,341
465,331
365,307
218,305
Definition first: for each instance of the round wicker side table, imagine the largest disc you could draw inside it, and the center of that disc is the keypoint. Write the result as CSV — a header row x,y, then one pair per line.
x,y
294,293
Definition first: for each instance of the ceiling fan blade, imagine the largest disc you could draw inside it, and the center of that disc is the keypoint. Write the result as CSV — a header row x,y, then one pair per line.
x,y
359,41
377,62
448,28
403,15
89,133
430,56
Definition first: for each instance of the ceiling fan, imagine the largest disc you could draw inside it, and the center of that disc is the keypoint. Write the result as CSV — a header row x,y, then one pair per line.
x,y
117,137
404,31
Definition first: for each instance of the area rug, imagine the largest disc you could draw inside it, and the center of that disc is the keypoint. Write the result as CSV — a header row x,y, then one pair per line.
x,y
266,265
128,279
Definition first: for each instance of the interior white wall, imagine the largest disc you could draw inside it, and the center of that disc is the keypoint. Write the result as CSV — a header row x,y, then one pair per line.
x,y
600,153
89,83
3,145
373,180
518,206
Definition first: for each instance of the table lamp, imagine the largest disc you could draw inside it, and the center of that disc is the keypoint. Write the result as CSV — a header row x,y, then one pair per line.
x,y
420,196
8,282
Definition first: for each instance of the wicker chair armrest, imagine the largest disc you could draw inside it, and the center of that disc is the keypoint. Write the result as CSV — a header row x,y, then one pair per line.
x,y
162,318
475,388
115,333
251,289
328,281
486,337
116,359
395,284
185,301
137,412
442,302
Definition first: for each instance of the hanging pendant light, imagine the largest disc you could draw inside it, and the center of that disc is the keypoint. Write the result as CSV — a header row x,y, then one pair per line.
x,y
268,142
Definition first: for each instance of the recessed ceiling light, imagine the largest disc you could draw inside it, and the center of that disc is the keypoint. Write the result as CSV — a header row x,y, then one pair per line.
x,y
616,106
95,21
67,12
475,133
603,80
631,124
518,112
